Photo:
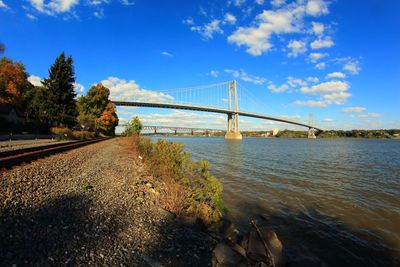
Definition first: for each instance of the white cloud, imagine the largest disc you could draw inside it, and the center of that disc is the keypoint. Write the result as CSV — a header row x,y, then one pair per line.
x,y
188,21
353,109
236,3
277,3
166,54
313,79
311,103
260,2
295,82
214,73
99,13
53,7
317,7
320,66
127,2
314,57
287,19
241,74
337,74
297,48
3,5
332,92
185,119
78,88
328,120
327,87
369,115
336,98
98,2
31,17
207,31
129,90
322,43
318,28
291,83
35,80
229,18
277,89
352,67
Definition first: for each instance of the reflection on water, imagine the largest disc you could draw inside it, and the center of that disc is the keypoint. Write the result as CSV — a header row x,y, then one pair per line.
x,y
332,202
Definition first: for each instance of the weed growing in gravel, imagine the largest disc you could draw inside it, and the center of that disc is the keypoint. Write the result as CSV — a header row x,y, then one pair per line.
x,y
87,186
187,187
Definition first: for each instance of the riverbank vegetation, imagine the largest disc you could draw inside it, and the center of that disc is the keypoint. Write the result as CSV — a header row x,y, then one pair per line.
x,y
186,187
54,103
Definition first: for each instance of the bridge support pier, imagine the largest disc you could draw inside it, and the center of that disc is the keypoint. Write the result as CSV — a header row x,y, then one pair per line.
x,y
232,132
311,133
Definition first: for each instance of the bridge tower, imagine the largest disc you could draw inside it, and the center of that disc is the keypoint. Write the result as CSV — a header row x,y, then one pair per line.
x,y
311,130
232,132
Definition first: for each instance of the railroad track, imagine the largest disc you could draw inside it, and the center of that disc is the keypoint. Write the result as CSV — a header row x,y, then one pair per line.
x,y
16,157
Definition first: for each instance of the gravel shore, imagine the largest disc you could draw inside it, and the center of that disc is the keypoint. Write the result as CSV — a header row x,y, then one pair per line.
x,y
91,206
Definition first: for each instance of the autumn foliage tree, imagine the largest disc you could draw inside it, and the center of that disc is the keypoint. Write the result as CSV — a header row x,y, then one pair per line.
x,y
96,112
13,83
108,120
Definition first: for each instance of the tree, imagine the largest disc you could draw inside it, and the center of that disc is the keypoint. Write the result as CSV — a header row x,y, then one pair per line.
x,y
14,85
60,92
87,122
134,127
108,120
95,101
2,48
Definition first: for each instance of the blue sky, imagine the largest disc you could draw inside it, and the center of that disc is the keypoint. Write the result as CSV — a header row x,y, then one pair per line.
x,y
336,59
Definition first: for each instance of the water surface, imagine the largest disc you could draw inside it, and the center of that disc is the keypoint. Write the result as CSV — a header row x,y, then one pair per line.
x,y
332,202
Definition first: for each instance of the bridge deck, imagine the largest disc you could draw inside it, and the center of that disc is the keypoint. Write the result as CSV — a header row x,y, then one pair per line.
x,y
209,109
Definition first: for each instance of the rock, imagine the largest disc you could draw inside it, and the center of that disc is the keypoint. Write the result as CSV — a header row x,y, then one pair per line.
x,y
255,247
149,185
229,231
225,255
226,229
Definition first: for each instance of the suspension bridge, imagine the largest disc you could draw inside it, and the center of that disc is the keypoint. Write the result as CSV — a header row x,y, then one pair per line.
x,y
222,98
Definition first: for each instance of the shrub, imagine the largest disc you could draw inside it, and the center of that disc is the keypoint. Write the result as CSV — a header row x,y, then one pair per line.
x,y
62,132
187,187
82,135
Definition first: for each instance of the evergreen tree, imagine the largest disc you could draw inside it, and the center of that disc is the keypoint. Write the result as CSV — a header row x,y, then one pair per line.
x,y
60,95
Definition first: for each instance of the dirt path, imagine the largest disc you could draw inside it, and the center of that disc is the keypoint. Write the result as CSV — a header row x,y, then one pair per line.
x,y
91,206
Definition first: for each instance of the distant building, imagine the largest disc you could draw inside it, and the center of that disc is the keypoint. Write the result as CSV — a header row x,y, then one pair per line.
x,y
275,131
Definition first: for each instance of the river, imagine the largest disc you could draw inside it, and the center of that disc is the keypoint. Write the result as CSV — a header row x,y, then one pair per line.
x,y
332,202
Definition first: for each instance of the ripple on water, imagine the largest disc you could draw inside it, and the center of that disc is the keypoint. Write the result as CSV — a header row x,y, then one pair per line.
x,y
330,201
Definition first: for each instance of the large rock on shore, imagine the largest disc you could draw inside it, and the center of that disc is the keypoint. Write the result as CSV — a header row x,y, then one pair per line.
x,y
259,247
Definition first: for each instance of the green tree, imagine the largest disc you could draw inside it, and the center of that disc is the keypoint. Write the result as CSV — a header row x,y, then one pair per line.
x,y
60,92
2,48
134,127
95,101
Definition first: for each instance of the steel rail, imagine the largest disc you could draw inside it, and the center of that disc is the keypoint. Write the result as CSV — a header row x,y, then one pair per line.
x,y
16,157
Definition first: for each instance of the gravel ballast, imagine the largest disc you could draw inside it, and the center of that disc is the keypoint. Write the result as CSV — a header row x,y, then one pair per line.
x,y
91,206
